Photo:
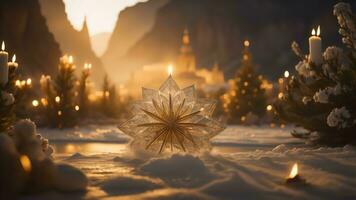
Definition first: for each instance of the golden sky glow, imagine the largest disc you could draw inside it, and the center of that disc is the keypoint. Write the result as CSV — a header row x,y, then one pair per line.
x,y
101,14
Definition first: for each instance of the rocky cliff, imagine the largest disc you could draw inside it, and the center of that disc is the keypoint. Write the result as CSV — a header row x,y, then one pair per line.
x,y
217,29
71,41
132,24
25,33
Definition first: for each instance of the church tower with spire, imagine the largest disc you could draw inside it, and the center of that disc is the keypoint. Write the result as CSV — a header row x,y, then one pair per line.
x,y
186,60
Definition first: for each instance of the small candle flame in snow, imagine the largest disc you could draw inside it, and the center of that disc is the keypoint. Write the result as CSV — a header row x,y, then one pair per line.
x,y
14,58
294,171
170,69
3,46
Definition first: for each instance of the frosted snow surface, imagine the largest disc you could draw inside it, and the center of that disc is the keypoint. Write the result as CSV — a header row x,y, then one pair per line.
x,y
245,163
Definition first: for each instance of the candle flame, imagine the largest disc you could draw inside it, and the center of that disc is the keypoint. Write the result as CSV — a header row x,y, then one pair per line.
x,y
3,46
318,31
14,58
87,66
294,171
170,69
70,59
313,32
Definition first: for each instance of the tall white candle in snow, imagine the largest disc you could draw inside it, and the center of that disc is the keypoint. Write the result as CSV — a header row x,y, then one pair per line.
x,y
4,69
315,53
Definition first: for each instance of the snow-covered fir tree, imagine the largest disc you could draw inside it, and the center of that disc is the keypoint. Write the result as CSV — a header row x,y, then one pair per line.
x,y
64,84
83,91
246,100
322,97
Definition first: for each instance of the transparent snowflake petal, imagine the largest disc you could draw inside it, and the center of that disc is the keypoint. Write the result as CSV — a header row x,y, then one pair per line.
x,y
148,94
169,86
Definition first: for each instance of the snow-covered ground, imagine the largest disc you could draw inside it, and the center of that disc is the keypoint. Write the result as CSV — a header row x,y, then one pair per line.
x,y
244,163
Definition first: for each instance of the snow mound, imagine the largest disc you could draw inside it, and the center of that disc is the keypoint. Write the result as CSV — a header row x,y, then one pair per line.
x,y
242,185
68,178
76,156
92,133
124,185
280,148
169,194
11,173
180,170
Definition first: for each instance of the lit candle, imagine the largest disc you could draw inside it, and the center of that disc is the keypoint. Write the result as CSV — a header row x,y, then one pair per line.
x,y
4,69
315,53
294,177
13,62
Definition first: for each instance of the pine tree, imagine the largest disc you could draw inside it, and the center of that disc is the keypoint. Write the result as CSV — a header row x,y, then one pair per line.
x,y
64,87
322,97
83,90
106,95
50,111
24,96
246,97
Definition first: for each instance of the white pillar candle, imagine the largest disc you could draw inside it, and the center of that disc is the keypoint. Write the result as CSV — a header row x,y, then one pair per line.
x,y
315,53
4,69
13,62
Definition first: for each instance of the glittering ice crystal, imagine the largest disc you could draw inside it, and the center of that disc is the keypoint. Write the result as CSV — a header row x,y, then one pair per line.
x,y
172,119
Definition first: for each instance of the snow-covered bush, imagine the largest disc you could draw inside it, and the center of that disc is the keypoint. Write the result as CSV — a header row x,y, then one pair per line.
x,y
322,97
27,167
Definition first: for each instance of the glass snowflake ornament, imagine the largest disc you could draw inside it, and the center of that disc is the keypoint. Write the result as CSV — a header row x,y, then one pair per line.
x,y
172,119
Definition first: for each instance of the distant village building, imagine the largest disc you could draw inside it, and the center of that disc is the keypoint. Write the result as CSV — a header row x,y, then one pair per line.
x,y
184,71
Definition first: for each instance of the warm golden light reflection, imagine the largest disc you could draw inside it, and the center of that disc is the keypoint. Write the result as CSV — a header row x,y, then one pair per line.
x,y
26,163
59,113
3,46
280,80
280,95
17,83
35,103
88,148
269,108
170,69
13,58
76,107
44,101
294,172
